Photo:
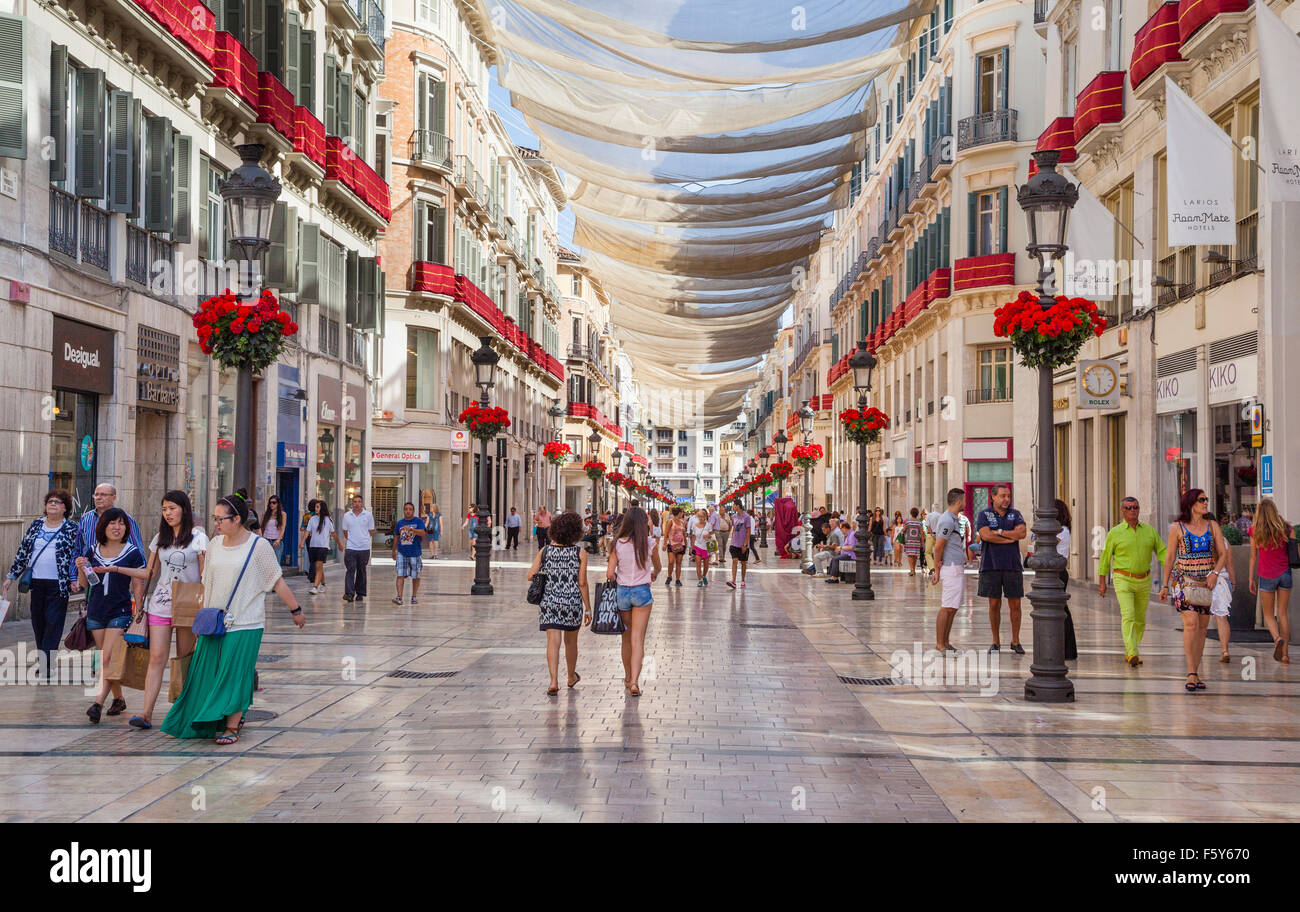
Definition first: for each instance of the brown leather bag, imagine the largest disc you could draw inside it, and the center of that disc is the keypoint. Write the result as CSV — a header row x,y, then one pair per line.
x,y
180,668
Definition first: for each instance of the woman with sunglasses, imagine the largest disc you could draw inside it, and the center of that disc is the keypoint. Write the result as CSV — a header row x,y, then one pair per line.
x,y
273,523
238,573
1195,559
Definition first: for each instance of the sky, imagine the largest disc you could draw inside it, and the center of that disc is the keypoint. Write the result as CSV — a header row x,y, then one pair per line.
x,y
520,135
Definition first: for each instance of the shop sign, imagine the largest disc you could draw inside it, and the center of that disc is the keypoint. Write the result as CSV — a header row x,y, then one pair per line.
x,y
158,369
1234,380
87,453
1266,476
291,455
1257,425
333,405
82,357
460,440
398,455
1099,384
1176,393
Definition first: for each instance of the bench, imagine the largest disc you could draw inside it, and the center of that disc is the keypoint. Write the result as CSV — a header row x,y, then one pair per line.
x,y
848,571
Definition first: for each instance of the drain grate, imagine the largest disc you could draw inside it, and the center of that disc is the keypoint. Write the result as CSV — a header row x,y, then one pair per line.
x,y
271,658
407,673
882,682
259,715
771,626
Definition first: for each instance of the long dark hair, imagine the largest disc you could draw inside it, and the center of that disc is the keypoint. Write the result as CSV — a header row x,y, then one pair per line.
x,y
1187,502
186,534
636,528
322,509
279,512
1063,514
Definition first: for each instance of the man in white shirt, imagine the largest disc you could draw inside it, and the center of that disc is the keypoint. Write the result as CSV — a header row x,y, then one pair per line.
x,y
357,525
949,566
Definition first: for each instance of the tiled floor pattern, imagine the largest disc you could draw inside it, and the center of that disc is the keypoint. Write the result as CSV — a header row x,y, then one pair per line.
x,y
744,718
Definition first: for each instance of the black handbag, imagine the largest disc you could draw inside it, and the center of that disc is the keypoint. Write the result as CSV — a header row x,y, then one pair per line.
x,y
608,620
1293,553
537,586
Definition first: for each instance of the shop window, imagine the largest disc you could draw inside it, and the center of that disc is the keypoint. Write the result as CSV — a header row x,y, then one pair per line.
x,y
421,369
74,445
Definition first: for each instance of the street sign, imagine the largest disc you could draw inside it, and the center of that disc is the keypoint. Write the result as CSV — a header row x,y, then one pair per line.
x,y
1257,425
460,440
1266,476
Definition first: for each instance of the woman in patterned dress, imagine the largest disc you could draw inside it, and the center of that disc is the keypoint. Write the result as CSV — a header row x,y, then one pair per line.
x,y
1197,555
566,604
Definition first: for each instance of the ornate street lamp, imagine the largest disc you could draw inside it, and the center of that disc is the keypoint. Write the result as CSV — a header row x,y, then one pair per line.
x,y
618,459
806,418
862,363
248,197
1047,200
763,457
557,413
594,441
780,441
485,364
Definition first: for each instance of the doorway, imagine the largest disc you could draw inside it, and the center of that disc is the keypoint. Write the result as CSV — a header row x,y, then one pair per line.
x,y
387,494
980,495
286,489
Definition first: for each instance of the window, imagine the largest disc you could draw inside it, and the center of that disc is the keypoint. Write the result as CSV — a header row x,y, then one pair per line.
x,y
427,11
991,82
421,371
1115,35
681,435
431,233
708,483
708,451
681,451
683,467
1120,204
947,16
995,374
988,222
708,467
577,285
1070,84
664,435
708,435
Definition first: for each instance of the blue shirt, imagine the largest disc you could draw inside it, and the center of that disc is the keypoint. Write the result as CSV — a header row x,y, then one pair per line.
x,y
995,555
408,543
112,597
89,520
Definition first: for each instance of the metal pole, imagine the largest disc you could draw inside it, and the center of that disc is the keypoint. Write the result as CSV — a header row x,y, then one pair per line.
x,y
862,587
483,534
245,431
805,558
1048,681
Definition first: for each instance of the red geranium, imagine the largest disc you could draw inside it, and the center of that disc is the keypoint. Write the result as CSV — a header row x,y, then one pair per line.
x,y
1047,337
484,423
806,456
863,427
241,335
556,453
781,470
594,469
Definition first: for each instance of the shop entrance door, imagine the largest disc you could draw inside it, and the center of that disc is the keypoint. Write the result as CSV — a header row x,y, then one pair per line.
x,y
980,496
387,494
287,490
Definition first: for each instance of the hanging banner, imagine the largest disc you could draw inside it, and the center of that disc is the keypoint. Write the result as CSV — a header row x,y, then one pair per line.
x,y
1279,129
1199,178
1089,265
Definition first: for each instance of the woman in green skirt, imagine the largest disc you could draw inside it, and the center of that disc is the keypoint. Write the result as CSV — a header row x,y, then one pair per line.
x,y
240,570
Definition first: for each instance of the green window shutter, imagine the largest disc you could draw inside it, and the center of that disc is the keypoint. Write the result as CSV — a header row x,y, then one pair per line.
x,y
343,107
1002,220
137,157
58,110
350,289
1005,89
945,240
158,174
13,98
440,106
368,294
218,8
292,52
309,248
121,153
440,235
273,23
359,127
330,88
875,309
307,71
282,255
181,230
90,129
231,19
421,232
205,169
257,36
972,223
381,323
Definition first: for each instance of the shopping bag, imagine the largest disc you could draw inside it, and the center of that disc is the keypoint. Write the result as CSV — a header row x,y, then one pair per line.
x,y
608,620
187,602
128,666
4,610
180,667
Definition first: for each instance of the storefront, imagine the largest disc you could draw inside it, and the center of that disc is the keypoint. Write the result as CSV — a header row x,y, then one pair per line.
x,y
338,441
157,397
399,475
81,372
988,462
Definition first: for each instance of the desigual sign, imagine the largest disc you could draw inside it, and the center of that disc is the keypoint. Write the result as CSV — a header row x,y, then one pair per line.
x,y
82,357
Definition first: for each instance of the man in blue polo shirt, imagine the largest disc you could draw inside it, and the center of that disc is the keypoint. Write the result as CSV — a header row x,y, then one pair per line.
x,y
1000,528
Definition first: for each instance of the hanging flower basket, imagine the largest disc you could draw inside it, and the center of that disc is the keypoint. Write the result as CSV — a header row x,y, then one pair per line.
x,y
595,470
556,453
762,481
484,423
1048,338
781,470
243,336
630,483
807,456
1248,475
863,427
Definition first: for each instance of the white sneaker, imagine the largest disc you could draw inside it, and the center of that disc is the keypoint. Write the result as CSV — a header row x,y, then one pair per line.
x,y
313,591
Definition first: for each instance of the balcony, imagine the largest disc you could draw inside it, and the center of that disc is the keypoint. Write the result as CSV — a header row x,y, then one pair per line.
x,y
940,156
1100,102
94,235
1180,268
162,262
1040,12
466,180
984,271
1058,135
63,222
1203,25
347,14
989,127
432,149
895,226
137,255
981,396
369,39
432,278
1155,44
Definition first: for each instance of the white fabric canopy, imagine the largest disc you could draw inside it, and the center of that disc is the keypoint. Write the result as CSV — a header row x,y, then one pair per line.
x,y
703,146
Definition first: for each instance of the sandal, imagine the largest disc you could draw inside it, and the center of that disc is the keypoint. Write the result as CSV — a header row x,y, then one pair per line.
x,y
552,691
1190,686
576,678
1279,649
634,690
115,708
229,737
1225,659
139,722
242,720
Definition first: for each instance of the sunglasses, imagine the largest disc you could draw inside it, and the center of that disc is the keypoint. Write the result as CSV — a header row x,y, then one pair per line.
x,y
1202,500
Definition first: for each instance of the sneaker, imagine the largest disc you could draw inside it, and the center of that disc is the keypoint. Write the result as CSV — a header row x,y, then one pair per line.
x,y
832,582
742,585
313,591
731,584
1017,649
397,600
679,582
994,648
699,584
414,600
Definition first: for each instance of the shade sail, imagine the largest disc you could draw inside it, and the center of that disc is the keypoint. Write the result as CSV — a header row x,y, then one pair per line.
x,y
704,145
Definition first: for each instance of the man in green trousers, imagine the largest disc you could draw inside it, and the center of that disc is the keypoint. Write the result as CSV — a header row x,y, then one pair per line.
x,y
1127,553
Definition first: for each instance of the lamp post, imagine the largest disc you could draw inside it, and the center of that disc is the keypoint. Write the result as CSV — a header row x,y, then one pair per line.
x,y
780,441
806,417
485,365
618,459
594,440
751,472
763,457
248,197
862,363
1047,200
557,413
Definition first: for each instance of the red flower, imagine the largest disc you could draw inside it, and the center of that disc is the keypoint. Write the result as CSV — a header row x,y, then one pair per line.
x,y
237,326
254,325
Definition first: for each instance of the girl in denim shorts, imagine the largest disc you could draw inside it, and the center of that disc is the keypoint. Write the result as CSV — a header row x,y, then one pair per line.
x,y
633,565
